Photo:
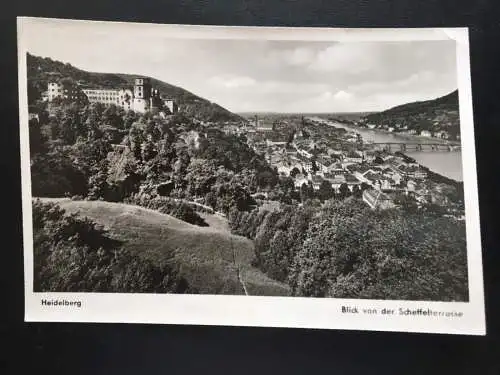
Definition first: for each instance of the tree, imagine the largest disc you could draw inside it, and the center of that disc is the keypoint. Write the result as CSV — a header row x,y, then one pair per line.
x,y
152,131
111,134
315,167
135,139
266,179
112,116
34,92
306,192
129,119
287,190
87,155
148,150
98,182
364,186
53,174
344,191
294,172
71,254
350,251
71,125
211,199
325,191
406,202
92,125
356,191
36,138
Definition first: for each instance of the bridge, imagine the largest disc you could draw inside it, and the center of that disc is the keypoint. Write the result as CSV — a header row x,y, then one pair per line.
x,y
413,146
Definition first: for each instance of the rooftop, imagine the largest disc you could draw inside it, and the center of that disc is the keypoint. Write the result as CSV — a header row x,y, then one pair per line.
x,y
351,178
373,176
376,194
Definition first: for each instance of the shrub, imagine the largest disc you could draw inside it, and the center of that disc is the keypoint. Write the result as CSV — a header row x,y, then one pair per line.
x,y
178,209
73,254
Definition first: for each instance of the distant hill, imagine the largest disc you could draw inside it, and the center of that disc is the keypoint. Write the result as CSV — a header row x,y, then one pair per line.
x,y
434,115
210,259
41,70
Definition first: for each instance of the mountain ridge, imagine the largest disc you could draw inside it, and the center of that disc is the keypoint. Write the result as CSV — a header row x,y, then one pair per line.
x,y
435,115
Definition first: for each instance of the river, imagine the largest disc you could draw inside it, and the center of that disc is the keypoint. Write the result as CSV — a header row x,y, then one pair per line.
x,y
446,163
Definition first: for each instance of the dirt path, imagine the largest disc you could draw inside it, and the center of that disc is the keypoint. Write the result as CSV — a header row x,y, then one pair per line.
x,y
238,269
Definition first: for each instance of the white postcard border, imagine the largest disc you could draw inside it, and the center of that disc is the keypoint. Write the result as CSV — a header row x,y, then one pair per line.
x,y
316,313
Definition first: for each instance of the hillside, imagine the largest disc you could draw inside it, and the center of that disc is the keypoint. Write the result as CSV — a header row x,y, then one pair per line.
x,y
434,115
210,259
41,70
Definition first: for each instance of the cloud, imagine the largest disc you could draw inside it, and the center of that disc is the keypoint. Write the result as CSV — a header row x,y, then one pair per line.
x,y
423,82
342,95
300,56
347,58
232,82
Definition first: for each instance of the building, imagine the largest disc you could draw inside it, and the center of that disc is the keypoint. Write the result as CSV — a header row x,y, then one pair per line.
x,y
352,181
335,168
142,95
299,180
376,199
353,157
121,98
316,182
54,90
275,139
290,151
370,155
322,164
335,180
304,153
411,186
170,104
425,133
141,98
411,171
442,134
64,91
263,125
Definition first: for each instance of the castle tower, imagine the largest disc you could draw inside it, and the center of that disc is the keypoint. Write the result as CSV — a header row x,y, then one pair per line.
x,y
142,94
155,101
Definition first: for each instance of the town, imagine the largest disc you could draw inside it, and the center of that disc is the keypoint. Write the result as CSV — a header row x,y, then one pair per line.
x,y
320,156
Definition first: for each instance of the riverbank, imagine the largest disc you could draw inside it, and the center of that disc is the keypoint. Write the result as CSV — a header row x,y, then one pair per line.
x,y
432,175
395,137
447,164
410,137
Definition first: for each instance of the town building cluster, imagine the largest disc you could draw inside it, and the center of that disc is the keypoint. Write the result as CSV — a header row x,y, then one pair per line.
x,y
439,123
142,97
315,153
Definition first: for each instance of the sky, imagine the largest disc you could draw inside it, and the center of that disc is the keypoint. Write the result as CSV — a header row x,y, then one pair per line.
x,y
261,75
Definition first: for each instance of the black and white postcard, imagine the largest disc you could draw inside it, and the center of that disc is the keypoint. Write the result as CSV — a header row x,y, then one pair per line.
x,y
249,176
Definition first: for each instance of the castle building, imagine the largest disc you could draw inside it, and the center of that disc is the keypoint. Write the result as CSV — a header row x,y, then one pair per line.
x,y
142,95
170,104
54,90
65,91
141,98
